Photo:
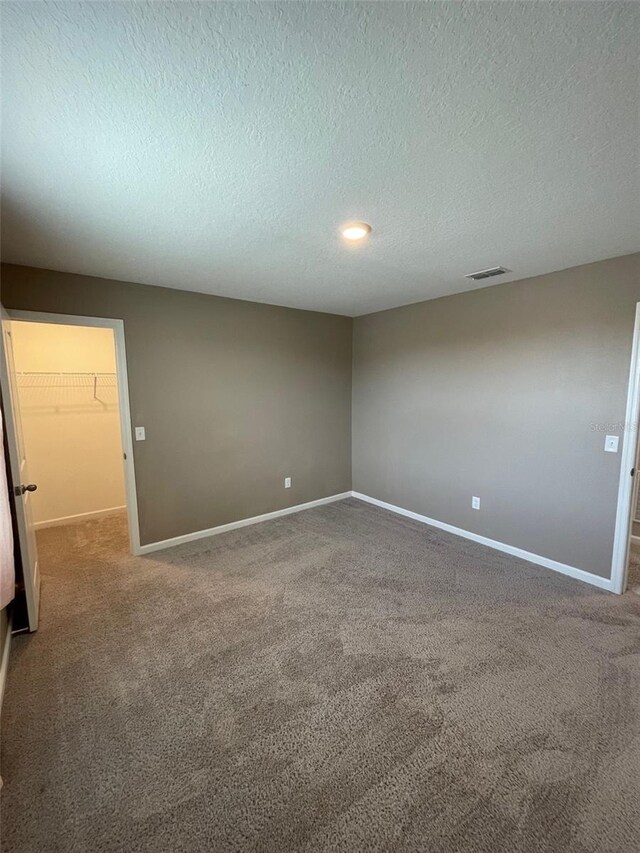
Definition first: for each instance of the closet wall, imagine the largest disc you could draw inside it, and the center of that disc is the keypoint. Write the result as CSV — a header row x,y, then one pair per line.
x,y
70,419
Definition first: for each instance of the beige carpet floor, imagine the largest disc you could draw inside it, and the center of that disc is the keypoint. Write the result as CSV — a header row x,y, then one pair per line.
x,y
342,679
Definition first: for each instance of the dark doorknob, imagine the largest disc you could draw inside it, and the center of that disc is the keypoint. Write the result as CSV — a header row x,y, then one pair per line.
x,y
21,489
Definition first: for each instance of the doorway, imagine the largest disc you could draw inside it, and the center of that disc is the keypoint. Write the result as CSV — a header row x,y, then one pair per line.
x,y
625,565
633,567
68,398
71,430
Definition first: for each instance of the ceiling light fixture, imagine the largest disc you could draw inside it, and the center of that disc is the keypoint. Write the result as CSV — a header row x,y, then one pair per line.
x,y
356,231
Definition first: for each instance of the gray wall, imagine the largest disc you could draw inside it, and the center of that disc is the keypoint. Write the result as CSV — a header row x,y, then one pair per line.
x,y
494,393
491,393
234,396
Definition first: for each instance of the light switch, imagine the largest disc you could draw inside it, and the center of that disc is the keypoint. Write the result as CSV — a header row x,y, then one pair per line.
x,y
140,436
611,443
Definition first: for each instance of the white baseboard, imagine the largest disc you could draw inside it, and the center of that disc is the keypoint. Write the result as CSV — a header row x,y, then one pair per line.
x,y
554,565
4,663
571,571
81,516
234,525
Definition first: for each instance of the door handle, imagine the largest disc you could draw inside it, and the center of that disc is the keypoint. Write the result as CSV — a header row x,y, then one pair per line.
x,y
21,489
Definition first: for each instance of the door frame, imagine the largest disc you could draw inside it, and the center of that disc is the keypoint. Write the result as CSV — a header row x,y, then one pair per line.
x,y
123,400
622,537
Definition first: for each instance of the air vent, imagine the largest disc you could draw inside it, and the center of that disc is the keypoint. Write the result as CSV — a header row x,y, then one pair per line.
x,y
478,276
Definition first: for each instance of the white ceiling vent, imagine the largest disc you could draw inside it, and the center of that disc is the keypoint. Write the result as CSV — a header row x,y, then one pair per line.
x,y
478,276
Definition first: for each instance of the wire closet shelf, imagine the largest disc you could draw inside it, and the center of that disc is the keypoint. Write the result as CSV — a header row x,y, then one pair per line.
x,y
62,379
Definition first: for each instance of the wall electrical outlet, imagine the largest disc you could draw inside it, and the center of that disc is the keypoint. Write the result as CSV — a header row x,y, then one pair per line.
x,y
611,443
140,436
287,482
475,503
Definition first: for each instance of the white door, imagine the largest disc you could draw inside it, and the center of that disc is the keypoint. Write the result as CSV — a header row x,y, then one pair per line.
x,y
19,474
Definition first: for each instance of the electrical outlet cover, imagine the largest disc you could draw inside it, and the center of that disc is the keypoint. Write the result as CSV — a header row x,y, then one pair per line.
x,y
611,443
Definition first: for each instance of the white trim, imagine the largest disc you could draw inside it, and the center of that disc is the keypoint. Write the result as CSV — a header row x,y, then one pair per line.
x,y
571,571
234,525
80,516
4,664
123,400
620,557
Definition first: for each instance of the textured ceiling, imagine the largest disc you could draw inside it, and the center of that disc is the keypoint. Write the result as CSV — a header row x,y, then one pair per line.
x,y
218,146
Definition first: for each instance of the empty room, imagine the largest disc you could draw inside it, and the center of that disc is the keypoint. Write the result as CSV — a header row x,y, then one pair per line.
x,y
320,386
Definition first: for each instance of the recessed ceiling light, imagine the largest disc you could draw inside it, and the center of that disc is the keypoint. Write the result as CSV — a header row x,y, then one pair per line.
x,y
356,230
